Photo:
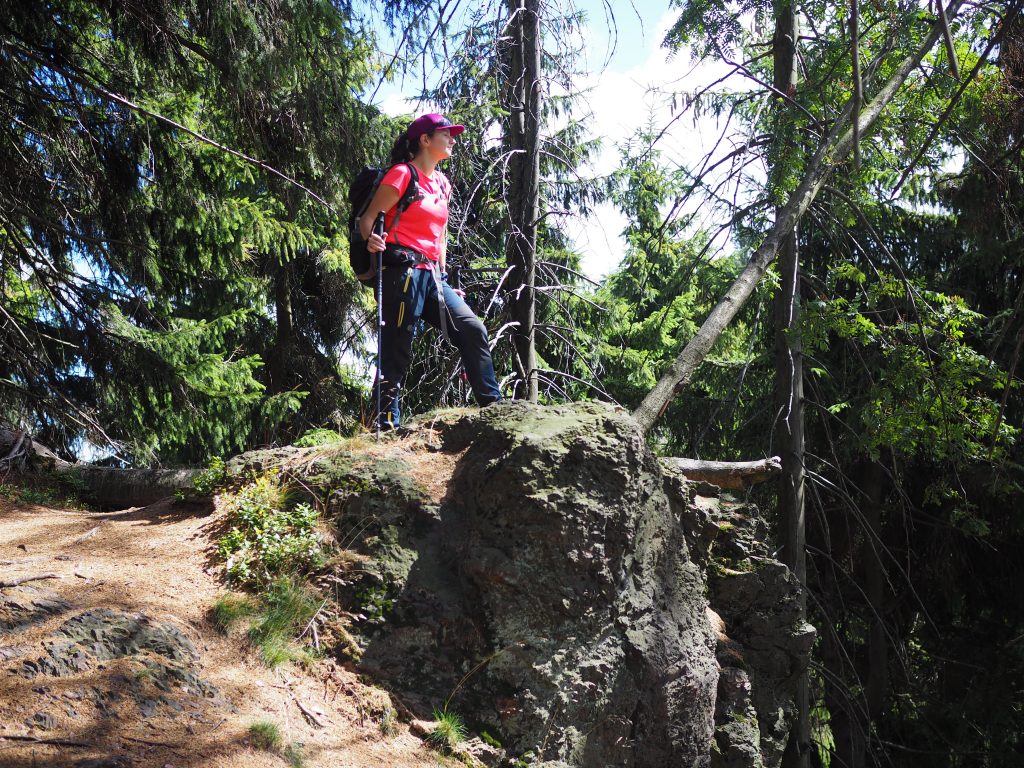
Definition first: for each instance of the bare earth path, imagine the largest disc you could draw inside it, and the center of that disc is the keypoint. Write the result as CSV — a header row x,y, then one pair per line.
x,y
151,568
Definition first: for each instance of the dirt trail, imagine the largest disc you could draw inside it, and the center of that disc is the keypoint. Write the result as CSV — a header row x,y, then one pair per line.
x,y
152,570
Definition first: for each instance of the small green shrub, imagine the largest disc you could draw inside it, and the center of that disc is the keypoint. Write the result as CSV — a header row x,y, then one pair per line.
x,y
315,437
208,480
489,740
388,722
449,731
269,536
63,494
265,735
375,603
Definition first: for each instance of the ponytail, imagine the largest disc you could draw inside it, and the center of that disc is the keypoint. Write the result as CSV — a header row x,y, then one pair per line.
x,y
404,150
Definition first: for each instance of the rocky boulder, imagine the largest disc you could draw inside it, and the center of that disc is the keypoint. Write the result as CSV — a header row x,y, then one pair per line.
x,y
584,588
557,597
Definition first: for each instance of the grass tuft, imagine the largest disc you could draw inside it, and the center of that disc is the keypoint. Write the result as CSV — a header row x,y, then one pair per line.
x,y
288,606
265,735
449,731
294,755
230,608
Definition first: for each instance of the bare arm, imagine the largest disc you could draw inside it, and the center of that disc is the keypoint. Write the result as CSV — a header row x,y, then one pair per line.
x,y
384,200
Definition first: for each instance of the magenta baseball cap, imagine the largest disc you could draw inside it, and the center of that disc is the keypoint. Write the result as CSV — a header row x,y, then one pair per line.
x,y
432,122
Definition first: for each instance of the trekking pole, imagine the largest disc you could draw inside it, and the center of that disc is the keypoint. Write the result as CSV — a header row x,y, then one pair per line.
x,y
378,229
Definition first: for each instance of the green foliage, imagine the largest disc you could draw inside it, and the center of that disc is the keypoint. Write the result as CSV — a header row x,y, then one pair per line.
x,y
149,290
388,723
448,732
268,537
294,755
931,392
713,26
374,603
910,295
266,735
490,740
655,302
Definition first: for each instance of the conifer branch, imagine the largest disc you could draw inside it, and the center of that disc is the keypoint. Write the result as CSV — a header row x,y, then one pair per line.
x,y
129,104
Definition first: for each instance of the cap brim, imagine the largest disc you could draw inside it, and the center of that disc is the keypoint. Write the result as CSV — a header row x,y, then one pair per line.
x,y
455,129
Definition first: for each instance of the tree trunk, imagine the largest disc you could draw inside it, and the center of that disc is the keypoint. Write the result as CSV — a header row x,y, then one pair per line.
x,y
789,434
789,377
832,150
284,340
524,192
877,688
784,72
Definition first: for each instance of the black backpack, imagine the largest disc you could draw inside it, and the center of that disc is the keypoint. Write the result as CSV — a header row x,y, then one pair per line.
x,y
360,194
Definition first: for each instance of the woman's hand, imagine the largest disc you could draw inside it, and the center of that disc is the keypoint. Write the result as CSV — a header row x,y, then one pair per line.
x,y
375,243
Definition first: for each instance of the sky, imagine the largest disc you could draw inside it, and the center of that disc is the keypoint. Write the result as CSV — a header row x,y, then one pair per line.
x,y
624,70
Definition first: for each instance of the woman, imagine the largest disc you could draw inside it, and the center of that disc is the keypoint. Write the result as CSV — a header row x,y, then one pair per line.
x,y
414,281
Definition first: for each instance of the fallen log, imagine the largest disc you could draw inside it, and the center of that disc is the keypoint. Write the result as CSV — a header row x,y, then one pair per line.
x,y
730,475
110,487
102,486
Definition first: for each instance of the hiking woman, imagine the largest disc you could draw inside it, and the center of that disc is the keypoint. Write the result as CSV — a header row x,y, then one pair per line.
x,y
414,281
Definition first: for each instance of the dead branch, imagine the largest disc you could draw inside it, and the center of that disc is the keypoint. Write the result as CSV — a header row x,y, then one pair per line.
x,y
25,579
23,560
37,740
105,515
14,452
87,535
858,93
307,713
730,475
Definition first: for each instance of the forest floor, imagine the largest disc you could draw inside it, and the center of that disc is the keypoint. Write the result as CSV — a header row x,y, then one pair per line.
x,y
155,572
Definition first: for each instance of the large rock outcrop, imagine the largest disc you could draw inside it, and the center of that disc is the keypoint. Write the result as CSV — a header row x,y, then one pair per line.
x,y
567,545
558,596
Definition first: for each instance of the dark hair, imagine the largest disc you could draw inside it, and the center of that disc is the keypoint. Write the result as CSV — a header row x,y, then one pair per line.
x,y
405,150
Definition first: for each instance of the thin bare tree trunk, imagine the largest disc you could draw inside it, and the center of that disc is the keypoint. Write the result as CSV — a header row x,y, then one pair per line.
x,y
833,149
789,432
524,202
877,687
284,340
789,374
